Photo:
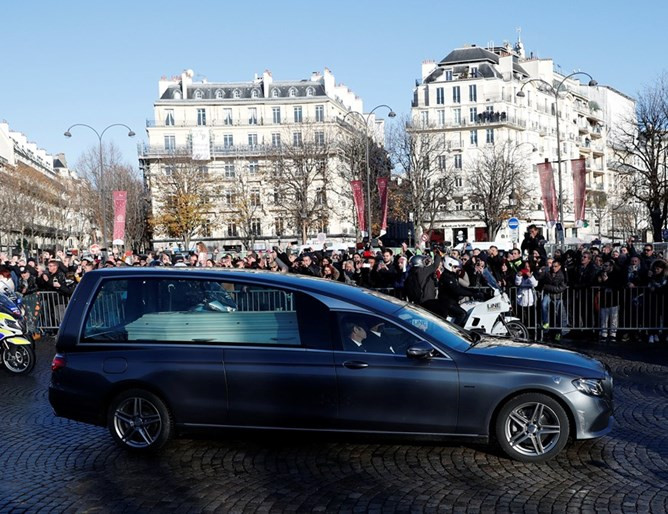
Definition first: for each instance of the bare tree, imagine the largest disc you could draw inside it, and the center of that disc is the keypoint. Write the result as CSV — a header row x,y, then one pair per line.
x,y
352,150
184,195
246,202
497,181
420,155
641,149
302,176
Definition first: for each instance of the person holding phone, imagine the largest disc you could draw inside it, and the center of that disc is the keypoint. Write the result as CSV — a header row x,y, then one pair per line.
x,y
53,279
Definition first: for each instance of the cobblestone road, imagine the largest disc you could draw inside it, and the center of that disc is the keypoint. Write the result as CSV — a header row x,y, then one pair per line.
x,y
51,464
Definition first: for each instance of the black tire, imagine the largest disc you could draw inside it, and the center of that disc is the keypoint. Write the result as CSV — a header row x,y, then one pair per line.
x,y
517,330
18,359
532,427
139,421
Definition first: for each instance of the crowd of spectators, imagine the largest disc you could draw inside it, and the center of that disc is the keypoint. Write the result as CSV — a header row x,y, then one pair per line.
x,y
587,287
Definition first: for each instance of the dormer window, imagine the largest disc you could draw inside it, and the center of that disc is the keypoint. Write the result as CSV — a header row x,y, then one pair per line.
x,y
236,93
199,94
219,94
310,91
292,92
255,93
275,93
176,95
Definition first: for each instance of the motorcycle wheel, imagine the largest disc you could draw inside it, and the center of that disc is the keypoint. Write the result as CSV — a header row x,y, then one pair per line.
x,y
517,330
18,359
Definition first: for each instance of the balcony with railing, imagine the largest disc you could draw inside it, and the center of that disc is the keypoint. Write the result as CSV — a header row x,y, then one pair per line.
x,y
157,151
484,119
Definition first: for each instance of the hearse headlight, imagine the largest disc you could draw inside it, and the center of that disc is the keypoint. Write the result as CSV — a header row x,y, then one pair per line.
x,y
591,386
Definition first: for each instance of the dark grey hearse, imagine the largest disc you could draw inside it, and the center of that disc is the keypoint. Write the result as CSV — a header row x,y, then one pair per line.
x,y
152,353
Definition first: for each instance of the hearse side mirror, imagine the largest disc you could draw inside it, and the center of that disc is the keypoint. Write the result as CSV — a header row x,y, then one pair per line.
x,y
420,350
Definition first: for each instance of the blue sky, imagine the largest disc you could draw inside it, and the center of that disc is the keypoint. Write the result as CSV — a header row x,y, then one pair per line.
x,y
99,63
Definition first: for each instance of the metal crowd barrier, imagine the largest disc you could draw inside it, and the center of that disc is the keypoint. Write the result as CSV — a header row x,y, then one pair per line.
x,y
638,308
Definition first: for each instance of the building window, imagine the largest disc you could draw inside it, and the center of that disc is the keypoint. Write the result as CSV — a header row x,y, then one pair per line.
x,y
448,75
297,138
459,204
219,94
320,138
252,116
227,116
489,136
459,182
457,116
275,139
441,117
474,137
279,226
199,94
442,162
473,114
440,96
275,93
474,71
292,92
489,109
475,207
201,116
278,198
228,170
255,93
424,118
176,95
255,227
319,113
169,170
169,117
232,229
236,94
458,161
253,167
298,114
456,95
170,143
203,170
473,93
228,140
255,198
252,140
310,91
276,114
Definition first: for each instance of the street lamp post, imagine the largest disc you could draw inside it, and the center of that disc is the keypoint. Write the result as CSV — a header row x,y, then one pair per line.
x,y
99,138
365,120
555,91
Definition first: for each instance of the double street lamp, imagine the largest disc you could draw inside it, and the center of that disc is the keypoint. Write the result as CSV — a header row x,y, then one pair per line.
x,y
99,138
365,120
555,91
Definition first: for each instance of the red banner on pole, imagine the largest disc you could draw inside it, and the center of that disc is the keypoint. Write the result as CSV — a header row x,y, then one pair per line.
x,y
549,195
382,193
579,190
120,202
358,199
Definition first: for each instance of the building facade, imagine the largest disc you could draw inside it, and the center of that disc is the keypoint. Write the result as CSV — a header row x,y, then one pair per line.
x,y
270,152
471,98
40,198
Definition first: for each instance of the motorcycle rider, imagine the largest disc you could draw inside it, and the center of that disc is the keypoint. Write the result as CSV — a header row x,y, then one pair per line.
x,y
420,284
450,291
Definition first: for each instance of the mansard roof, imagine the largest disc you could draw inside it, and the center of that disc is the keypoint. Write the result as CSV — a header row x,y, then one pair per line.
x,y
468,55
225,91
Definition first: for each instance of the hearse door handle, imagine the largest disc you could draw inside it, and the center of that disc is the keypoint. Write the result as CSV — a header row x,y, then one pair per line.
x,y
355,364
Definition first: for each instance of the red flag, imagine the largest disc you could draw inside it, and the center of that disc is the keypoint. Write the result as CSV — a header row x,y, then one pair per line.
x,y
382,193
358,199
579,190
546,175
120,202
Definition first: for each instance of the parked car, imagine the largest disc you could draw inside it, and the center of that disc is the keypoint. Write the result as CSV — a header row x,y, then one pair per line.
x,y
153,353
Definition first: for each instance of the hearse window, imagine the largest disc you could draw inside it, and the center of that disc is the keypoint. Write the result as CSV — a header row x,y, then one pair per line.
x,y
191,310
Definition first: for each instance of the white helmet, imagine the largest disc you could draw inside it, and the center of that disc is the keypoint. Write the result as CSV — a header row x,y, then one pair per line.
x,y
450,264
6,285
